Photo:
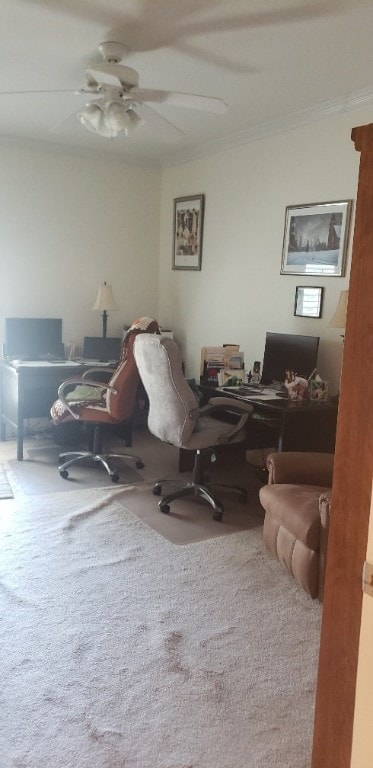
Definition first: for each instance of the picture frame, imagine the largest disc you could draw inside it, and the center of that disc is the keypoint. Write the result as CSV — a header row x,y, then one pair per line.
x,y
315,239
188,232
308,301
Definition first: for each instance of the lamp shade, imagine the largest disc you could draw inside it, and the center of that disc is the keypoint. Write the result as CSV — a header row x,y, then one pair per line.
x,y
109,116
105,299
339,318
93,118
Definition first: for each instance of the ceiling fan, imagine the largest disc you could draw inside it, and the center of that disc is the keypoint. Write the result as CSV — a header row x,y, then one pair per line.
x,y
121,105
118,108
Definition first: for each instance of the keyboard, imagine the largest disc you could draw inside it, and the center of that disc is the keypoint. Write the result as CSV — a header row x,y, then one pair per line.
x,y
276,386
247,389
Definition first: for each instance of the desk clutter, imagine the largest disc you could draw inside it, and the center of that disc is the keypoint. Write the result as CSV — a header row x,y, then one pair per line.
x,y
223,366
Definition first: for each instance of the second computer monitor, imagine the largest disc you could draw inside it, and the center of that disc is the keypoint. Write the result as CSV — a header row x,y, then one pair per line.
x,y
288,352
100,348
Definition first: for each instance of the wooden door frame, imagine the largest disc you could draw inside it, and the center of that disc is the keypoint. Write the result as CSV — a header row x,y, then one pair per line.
x,y
351,493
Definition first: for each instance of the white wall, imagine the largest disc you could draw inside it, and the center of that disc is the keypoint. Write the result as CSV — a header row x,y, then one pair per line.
x,y
239,294
67,224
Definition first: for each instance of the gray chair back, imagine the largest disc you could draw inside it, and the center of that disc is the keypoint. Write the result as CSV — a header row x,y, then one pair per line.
x,y
173,406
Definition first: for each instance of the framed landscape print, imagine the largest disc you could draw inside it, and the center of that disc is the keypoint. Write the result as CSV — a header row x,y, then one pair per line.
x,y
315,239
188,232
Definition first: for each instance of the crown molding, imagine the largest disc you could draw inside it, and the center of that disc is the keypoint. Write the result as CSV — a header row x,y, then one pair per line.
x,y
294,120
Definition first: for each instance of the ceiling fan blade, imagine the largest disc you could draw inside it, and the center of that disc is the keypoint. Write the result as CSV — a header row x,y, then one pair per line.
x,y
186,100
25,93
164,128
115,75
68,123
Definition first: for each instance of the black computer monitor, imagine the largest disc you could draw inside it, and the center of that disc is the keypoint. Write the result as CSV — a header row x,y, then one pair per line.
x,y
102,348
288,351
33,338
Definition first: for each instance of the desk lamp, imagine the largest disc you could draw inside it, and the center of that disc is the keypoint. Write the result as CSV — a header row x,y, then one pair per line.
x,y
339,318
104,302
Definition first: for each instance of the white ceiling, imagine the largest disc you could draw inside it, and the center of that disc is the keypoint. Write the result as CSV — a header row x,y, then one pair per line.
x,y
274,63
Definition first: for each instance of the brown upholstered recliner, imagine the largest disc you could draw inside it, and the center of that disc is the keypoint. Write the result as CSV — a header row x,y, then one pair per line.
x,y
297,507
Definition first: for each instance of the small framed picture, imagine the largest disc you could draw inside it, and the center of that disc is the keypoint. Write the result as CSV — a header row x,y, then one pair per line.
x,y
308,301
188,232
315,239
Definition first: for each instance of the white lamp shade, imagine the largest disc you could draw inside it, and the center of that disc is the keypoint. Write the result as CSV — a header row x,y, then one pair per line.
x,y
339,318
93,118
105,299
133,121
90,116
116,116
108,118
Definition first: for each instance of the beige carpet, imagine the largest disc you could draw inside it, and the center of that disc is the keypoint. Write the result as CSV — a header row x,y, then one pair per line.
x,y
121,650
189,520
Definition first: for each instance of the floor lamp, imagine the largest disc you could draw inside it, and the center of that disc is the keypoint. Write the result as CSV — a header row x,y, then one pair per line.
x,y
104,302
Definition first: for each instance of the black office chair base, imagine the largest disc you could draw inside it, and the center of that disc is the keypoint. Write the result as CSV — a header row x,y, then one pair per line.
x,y
197,487
97,458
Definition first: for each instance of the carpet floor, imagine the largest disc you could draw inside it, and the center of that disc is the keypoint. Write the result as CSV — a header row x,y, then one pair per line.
x,y
5,487
189,520
122,650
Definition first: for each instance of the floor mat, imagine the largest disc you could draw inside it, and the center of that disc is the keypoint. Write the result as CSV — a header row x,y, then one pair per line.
x,y
190,519
38,472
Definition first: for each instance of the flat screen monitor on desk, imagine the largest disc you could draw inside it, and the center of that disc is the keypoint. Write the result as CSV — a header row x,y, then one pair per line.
x,y
99,348
33,338
287,351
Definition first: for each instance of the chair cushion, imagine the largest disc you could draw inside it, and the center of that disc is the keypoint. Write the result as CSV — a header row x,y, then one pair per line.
x,y
296,508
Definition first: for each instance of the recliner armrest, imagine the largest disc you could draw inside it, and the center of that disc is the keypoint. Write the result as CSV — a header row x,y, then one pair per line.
x,y
308,468
325,510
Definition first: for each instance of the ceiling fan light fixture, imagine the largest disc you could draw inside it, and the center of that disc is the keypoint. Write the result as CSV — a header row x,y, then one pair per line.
x,y
93,118
90,116
133,121
116,116
119,117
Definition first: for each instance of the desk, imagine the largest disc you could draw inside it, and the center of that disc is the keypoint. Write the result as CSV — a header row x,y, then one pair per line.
x,y
288,425
28,391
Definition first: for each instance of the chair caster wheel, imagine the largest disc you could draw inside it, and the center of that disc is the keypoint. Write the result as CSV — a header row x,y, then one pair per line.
x,y
114,477
64,473
157,490
164,508
217,516
140,464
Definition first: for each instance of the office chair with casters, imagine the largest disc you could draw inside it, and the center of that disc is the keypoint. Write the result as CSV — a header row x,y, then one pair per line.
x,y
99,404
175,417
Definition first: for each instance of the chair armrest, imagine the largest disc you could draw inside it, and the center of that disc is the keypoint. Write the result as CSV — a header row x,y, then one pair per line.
x,y
90,371
238,407
306,468
87,383
234,406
